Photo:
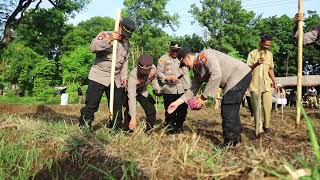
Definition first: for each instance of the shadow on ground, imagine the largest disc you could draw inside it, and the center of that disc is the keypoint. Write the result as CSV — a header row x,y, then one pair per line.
x,y
88,161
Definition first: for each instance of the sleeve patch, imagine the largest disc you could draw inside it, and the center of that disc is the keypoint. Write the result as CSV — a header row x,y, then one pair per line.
x,y
202,58
102,36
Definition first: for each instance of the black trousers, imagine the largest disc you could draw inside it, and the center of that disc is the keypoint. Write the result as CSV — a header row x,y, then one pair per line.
x,y
230,108
93,98
176,119
147,104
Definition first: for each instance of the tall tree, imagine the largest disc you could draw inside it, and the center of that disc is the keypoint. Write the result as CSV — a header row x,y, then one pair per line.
x,y
75,65
25,67
43,30
284,48
149,16
194,42
85,31
229,25
66,6
283,42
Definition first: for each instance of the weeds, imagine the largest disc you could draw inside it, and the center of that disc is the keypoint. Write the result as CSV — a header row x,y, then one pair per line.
x,y
61,150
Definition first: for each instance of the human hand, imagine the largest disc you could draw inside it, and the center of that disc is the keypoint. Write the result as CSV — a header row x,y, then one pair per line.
x,y
195,103
299,17
115,36
275,86
171,79
260,61
124,82
172,107
133,123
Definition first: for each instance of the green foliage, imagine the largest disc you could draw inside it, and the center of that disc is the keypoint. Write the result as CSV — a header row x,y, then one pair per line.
x,y
10,98
148,38
85,31
283,45
73,93
43,30
15,160
75,66
194,42
158,99
21,148
229,26
26,67
149,12
312,52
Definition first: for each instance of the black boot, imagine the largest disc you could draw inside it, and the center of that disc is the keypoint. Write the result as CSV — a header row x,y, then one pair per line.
x,y
85,123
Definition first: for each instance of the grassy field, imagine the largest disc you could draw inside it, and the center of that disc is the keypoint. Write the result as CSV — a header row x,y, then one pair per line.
x,y
28,100
45,145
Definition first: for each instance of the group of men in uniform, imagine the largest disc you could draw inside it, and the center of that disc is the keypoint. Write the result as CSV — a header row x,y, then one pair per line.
x,y
175,80
213,67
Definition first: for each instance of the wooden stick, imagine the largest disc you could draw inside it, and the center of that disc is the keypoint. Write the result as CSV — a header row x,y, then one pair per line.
x,y
114,60
299,61
259,108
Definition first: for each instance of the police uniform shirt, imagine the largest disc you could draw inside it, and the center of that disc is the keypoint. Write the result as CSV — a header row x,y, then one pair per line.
x,y
167,66
100,71
312,36
217,69
134,89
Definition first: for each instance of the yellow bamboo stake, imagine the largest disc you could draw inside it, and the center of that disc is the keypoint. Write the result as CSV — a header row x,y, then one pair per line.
x,y
299,61
259,117
114,60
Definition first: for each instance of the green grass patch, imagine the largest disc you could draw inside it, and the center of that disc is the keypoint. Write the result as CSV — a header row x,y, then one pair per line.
x,y
28,145
28,100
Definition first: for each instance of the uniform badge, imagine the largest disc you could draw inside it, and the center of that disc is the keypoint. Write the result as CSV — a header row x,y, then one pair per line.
x,y
202,58
102,36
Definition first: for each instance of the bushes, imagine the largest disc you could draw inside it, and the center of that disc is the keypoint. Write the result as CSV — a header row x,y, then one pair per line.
x,y
27,69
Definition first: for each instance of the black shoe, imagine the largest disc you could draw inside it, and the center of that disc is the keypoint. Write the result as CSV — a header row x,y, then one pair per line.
x,y
85,123
178,130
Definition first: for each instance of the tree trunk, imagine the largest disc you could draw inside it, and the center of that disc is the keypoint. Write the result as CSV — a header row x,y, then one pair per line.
x,y
7,36
13,21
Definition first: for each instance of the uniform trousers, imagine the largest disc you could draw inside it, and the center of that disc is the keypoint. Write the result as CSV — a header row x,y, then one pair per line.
x,y
148,105
230,111
266,104
93,98
175,119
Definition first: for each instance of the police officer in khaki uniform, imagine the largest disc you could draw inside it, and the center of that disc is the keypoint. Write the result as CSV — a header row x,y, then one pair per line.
x,y
262,58
100,73
217,69
176,81
139,78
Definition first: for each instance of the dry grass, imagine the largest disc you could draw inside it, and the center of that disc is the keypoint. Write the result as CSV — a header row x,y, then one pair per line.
x,y
190,155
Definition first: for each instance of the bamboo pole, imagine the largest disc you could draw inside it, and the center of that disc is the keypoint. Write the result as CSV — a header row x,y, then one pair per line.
x,y
299,62
113,66
259,117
